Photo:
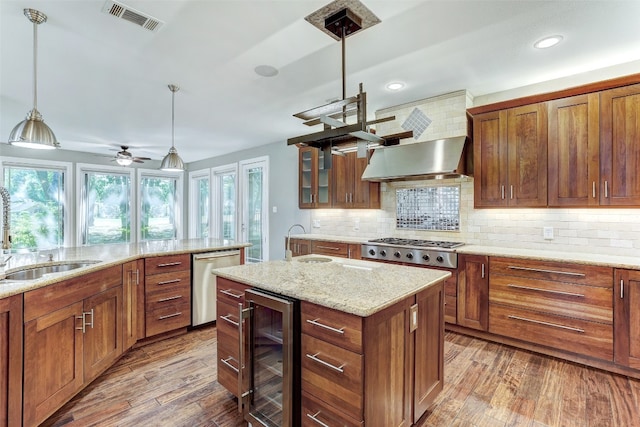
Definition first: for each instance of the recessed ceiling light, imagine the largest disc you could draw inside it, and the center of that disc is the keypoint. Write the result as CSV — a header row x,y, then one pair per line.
x,y
547,42
395,86
266,70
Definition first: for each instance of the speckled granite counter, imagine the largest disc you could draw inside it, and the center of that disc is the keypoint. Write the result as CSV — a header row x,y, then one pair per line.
x,y
106,255
351,286
616,261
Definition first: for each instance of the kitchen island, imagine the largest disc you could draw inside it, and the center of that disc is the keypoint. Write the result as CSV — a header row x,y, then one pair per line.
x,y
371,336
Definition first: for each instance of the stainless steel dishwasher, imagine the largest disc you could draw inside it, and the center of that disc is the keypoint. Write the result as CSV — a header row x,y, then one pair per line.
x,y
203,283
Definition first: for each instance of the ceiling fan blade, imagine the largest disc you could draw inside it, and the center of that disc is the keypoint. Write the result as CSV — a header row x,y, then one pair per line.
x,y
143,158
138,160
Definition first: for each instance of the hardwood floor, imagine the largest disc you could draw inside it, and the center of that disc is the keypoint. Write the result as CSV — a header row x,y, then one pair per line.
x,y
173,383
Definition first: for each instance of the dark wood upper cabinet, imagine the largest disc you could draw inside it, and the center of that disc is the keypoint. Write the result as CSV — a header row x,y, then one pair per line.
x,y
510,157
574,149
349,190
620,146
314,184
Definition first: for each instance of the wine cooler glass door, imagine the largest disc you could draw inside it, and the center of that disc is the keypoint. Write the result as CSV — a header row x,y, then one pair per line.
x,y
270,360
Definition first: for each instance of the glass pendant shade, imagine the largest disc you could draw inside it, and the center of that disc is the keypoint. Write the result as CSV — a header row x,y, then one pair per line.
x,y
33,132
172,161
123,161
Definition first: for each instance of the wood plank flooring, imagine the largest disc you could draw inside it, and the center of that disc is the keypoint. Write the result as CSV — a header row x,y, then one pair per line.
x,y
173,383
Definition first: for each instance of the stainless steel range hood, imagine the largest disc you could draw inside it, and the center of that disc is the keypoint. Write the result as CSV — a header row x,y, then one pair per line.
x,y
440,158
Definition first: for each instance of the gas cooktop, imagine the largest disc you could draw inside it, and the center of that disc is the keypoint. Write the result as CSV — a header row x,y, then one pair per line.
x,y
417,243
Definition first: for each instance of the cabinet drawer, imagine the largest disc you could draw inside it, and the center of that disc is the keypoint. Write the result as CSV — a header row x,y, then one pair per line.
x,y
168,318
563,333
169,295
168,263
333,374
450,309
320,247
553,271
341,329
563,299
316,413
229,291
227,327
164,280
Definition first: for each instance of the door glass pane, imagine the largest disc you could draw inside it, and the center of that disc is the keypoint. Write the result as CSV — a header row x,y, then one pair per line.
x,y
202,223
267,366
305,175
254,214
228,192
157,210
107,210
323,179
37,198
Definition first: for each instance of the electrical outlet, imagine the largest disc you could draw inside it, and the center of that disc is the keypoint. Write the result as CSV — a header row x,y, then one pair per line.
x,y
547,233
316,223
356,224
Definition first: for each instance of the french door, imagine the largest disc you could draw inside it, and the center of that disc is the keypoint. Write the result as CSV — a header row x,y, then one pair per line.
x,y
254,203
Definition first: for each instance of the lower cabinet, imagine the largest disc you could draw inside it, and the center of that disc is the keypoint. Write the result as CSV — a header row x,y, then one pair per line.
x,y
167,293
72,332
325,247
558,305
132,289
627,318
11,361
298,246
473,291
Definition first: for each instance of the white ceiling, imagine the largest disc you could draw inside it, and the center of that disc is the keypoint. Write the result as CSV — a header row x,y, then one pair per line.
x,y
102,81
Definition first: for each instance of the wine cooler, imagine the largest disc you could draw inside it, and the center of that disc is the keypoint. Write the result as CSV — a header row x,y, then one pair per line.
x,y
271,360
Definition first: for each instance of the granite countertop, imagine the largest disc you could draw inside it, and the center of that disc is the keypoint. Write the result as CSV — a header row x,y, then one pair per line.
x,y
106,255
590,258
351,286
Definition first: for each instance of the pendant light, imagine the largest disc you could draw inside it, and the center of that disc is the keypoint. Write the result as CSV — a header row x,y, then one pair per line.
x,y
33,132
172,161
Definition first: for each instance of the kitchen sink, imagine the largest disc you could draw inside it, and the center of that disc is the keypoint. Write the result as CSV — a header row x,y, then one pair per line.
x,y
33,273
314,259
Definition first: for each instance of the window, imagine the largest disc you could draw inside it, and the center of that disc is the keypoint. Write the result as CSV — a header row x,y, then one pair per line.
x,y
200,202
160,206
255,217
224,196
39,193
105,205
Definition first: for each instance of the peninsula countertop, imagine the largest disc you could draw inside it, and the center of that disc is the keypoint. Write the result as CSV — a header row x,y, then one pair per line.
x,y
105,255
351,286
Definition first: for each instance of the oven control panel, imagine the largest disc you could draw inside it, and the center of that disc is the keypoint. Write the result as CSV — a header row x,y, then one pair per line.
x,y
426,257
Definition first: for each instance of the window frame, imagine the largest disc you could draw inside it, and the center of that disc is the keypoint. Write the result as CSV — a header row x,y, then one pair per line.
x,y
193,211
67,170
81,169
155,173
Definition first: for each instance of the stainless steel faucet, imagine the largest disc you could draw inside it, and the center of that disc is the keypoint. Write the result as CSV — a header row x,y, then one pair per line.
x,y
287,254
6,210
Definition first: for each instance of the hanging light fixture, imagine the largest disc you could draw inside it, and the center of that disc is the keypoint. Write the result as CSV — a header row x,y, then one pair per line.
x,y
33,132
172,161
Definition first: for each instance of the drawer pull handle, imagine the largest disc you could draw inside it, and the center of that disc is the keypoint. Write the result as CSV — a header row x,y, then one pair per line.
x,y
228,319
166,282
531,288
170,315
170,298
226,362
327,327
231,294
328,247
315,358
314,418
169,264
555,325
539,270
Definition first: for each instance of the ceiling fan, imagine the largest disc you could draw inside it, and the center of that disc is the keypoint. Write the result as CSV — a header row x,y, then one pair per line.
x,y
125,158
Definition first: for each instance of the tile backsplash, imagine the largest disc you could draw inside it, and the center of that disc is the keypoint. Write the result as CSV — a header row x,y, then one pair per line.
x,y
607,231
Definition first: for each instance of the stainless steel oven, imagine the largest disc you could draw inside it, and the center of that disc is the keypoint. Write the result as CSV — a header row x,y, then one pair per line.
x,y
271,361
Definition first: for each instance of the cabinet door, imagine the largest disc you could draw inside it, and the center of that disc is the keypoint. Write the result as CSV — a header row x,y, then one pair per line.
x,y
11,361
131,275
527,153
366,194
490,154
620,146
473,292
342,180
349,190
314,179
53,362
627,318
574,150
429,342
103,331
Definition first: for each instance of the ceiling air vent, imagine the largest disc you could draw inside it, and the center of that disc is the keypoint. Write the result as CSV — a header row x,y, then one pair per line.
x,y
129,14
